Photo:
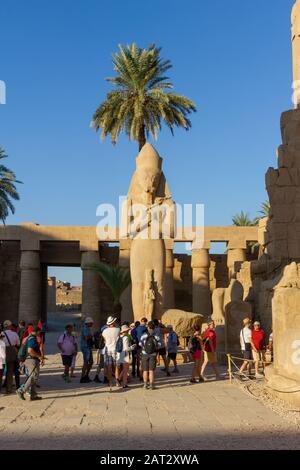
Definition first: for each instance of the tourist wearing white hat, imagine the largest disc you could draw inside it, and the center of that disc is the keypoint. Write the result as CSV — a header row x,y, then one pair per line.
x,y
123,348
86,344
110,335
12,343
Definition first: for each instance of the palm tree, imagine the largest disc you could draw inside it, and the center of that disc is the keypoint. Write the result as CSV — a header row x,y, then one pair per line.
x,y
8,189
140,101
116,278
242,220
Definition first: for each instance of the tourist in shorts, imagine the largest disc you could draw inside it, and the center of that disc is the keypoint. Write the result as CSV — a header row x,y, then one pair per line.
x,y
209,338
172,343
67,344
86,344
150,344
246,346
258,348
100,354
195,348
123,357
140,330
110,335
161,332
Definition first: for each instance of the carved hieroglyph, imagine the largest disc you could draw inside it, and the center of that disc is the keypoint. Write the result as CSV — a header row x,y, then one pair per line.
x,y
151,220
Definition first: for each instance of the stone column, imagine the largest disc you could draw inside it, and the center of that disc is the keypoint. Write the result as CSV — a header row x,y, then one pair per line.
x,y
91,302
235,255
124,261
30,287
201,288
169,299
296,52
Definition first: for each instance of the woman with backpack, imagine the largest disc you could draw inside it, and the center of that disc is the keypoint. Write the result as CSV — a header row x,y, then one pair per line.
x,y
196,348
123,348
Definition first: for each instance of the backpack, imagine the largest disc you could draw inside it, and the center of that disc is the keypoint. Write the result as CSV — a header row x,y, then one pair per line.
x,y
194,345
23,351
150,345
99,341
119,345
10,351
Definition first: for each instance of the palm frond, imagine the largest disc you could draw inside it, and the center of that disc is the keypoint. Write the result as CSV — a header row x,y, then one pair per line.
x,y
116,277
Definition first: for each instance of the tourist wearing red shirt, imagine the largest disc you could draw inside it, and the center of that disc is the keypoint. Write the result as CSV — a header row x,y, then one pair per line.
x,y
258,347
210,349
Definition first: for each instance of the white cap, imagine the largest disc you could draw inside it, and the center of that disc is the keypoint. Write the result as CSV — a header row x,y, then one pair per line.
x,y
88,320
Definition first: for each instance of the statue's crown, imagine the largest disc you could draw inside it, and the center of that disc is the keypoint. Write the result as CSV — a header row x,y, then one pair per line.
x,y
148,158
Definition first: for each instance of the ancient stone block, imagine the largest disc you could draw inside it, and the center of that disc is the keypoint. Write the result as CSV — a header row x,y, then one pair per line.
x,y
182,322
286,322
271,177
294,249
283,213
279,230
235,312
284,178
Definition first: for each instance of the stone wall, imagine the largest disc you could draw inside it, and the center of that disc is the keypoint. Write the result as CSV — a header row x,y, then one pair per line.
x,y
9,280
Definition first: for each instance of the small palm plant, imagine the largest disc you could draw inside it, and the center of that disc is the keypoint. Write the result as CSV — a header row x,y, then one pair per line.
x,y
117,280
8,190
141,100
242,220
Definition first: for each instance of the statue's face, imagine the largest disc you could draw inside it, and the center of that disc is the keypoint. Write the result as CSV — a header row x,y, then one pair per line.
x,y
149,179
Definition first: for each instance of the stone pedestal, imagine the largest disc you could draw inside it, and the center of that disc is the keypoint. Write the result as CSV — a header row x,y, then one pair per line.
x,y
169,299
91,302
201,288
30,287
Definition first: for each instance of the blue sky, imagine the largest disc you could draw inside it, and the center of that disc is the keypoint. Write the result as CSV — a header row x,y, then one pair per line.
x,y
232,58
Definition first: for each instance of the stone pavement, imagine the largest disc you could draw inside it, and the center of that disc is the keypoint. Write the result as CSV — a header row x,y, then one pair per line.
x,y
178,415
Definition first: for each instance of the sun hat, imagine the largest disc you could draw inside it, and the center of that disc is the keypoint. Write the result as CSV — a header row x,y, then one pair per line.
x,y
88,320
111,320
7,324
125,328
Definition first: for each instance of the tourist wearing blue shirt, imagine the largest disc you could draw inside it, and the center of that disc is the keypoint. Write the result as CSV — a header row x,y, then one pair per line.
x,y
34,359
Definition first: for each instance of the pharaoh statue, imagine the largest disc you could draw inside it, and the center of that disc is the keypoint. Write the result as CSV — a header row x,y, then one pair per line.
x,y
149,294
149,221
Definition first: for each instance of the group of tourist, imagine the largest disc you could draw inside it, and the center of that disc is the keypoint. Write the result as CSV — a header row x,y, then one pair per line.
x,y
140,345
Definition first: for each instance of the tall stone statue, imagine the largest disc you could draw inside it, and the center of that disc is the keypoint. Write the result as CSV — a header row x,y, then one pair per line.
x,y
150,220
296,51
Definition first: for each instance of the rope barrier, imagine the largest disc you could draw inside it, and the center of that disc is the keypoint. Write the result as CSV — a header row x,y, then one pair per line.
x,y
231,362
